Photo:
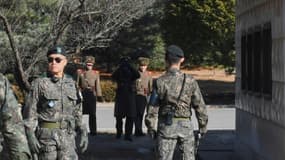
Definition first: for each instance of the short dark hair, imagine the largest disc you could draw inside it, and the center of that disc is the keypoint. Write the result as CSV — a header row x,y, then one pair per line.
x,y
171,59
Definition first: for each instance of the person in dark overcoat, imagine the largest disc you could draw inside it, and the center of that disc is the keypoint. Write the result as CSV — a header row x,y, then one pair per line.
x,y
125,77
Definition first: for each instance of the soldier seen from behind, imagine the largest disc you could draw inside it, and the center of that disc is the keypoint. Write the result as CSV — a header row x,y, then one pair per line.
x,y
125,76
11,124
143,90
175,93
53,112
89,82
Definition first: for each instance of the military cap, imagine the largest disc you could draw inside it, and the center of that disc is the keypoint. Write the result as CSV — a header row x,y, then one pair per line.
x,y
57,49
174,51
89,59
143,61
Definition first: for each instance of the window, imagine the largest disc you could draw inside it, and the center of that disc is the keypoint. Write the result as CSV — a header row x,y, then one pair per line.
x,y
256,56
256,71
243,63
267,57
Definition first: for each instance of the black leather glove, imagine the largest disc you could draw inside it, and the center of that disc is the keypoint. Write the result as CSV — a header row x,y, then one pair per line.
x,y
152,134
33,142
202,132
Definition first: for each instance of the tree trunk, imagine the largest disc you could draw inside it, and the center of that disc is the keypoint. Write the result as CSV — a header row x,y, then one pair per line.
x,y
22,80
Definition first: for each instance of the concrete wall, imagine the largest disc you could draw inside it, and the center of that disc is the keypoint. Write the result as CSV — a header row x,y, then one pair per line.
x,y
261,121
258,139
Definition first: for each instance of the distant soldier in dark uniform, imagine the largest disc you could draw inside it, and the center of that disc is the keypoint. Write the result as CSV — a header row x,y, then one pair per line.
x,y
11,124
53,112
89,82
73,66
125,76
143,90
175,93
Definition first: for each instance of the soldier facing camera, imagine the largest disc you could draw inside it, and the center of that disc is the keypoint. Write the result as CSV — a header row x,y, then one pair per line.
x,y
125,77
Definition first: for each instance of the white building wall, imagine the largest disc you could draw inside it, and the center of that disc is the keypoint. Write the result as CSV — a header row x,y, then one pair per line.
x,y
261,121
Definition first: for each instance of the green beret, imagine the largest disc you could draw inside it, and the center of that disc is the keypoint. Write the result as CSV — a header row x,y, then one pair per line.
x,y
174,51
89,59
143,61
56,50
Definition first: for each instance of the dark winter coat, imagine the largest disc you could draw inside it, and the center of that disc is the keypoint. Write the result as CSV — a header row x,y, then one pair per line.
x,y
125,76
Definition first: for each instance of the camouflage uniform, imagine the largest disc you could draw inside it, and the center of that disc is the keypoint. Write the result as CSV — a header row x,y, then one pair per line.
x,y
175,94
143,90
53,110
11,123
89,82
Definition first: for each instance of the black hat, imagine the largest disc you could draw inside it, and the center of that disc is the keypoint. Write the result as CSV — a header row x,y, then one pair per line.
x,y
174,51
56,50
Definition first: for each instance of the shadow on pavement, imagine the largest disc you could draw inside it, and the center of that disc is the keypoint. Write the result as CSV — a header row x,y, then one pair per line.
x,y
216,145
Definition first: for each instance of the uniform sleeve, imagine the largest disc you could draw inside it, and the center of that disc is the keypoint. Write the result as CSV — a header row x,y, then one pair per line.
x,y
200,108
150,83
152,110
12,124
79,81
78,112
115,75
30,110
98,86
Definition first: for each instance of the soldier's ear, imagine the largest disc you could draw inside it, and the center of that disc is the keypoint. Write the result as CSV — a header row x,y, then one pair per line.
x,y
182,60
65,61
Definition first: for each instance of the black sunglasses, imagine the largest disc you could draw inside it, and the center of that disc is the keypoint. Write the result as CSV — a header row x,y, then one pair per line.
x,y
57,59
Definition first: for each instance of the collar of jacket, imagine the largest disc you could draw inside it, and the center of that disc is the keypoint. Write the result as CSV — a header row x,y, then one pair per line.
x,y
173,71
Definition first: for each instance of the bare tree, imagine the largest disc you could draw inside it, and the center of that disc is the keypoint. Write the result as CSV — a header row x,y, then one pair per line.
x,y
32,26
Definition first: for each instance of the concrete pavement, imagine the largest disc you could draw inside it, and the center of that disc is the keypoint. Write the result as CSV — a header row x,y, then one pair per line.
x,y
218,144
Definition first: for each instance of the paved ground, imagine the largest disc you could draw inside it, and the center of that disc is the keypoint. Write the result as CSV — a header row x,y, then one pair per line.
x,y
217,144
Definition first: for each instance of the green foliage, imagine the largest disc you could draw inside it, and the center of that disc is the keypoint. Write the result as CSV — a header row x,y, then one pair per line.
x,y
143,35
108,90
204,29
157,58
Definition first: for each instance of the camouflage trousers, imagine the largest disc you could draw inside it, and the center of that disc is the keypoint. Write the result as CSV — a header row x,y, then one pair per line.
x,y
181,133
56,144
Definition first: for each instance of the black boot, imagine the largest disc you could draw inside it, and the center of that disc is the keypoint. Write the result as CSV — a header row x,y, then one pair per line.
x,y
128,138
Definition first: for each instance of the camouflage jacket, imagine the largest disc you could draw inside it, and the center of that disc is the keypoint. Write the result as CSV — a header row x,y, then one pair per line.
x,y
11,122
168,88
50,101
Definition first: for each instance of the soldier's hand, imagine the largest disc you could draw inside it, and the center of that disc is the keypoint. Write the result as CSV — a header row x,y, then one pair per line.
x,y
83,140
202,132
100,99
33,142
152,134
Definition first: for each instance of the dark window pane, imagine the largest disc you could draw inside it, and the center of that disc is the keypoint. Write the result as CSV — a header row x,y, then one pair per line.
x,y
267,57
243,63
257,61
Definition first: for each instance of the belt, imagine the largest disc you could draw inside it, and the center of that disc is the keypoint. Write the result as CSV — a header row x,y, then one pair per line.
x,y
50,125
88,89
54,125
181,118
